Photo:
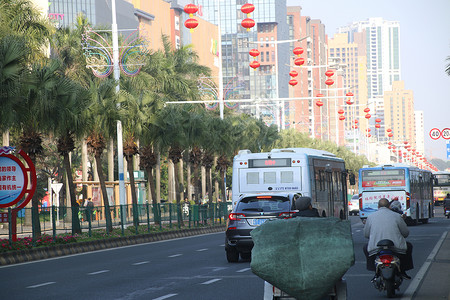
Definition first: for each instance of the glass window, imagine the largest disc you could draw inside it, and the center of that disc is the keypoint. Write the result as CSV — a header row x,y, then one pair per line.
x,y
252,178
270,177
287,177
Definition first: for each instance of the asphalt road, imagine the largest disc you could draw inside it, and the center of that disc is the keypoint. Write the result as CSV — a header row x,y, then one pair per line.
x,y
187,268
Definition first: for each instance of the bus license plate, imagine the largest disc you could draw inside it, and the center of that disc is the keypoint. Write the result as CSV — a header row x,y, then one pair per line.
x,y
257,222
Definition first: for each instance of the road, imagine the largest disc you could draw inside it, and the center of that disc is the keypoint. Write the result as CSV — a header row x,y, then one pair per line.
x,y
187,268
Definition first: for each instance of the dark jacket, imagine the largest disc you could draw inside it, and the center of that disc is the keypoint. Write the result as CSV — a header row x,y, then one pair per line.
x,y
307,213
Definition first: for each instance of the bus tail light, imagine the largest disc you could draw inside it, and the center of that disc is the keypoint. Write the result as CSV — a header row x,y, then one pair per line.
x,y
408,200
235,216
360,202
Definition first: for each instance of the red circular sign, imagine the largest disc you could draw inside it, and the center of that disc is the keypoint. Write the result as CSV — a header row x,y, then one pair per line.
x,y
445,133
435,133
14,180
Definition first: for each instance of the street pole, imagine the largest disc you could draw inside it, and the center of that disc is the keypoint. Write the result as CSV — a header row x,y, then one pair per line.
x,y
119,123
219,42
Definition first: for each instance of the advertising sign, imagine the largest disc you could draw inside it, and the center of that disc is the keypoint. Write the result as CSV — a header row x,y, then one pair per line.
x,y
13,180
448,150
370,201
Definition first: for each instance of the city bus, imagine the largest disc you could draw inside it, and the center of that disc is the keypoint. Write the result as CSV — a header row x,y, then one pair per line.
x,y
412,186
441,186
309,172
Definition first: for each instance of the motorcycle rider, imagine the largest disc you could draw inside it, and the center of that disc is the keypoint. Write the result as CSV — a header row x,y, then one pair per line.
x,y
387,224
305,209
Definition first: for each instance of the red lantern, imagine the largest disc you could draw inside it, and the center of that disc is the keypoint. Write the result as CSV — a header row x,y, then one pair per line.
x,y
248,23
356,121
191,24
367,116
319,103
293,73
349,94
254,64
390,143
298,50
390,134
368,130
341,111
355,126
369,135
191,9
378,120
319,95
349,102
254,52
329,73
405,142
377,125
247,8
299,61
342,118
293,82
388,130
329,81
366,110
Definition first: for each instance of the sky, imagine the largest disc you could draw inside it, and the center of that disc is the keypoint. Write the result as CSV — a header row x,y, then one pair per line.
x,y
424,48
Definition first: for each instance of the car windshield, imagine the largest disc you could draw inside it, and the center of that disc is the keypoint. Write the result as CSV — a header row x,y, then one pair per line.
x,y
264,204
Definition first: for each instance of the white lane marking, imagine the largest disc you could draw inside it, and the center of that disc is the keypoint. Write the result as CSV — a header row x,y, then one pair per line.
x,y
140,263
200,250
175,255
211,281
98,272
417,280
243,270
39,285
165,296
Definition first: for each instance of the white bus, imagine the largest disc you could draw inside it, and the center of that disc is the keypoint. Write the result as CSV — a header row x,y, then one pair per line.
x,y
411,185
314,173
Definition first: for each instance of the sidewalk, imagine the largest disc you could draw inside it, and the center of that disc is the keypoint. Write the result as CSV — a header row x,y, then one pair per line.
x,y
432,282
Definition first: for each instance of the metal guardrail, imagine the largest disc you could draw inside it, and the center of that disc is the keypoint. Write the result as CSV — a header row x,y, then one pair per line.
x,y
57,220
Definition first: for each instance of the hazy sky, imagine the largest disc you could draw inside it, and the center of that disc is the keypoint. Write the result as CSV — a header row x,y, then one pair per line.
x,y
425,45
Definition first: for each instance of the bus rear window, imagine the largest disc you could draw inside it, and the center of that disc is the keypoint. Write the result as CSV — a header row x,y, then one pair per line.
x,y
383,178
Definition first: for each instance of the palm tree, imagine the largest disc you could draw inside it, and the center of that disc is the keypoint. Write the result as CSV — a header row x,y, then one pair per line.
x,y
103,115
13,54
40,92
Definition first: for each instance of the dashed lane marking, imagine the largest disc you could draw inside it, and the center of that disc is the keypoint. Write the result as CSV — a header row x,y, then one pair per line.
x,y
98,272
41,284
211,281
200,250
165,296
140,263
243,270
175,255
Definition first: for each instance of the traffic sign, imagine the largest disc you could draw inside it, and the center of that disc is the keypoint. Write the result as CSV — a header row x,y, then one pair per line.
x,y
435,133
445,133
448,150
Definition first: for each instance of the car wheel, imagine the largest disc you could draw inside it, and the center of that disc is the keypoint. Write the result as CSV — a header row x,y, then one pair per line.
x,y
232,255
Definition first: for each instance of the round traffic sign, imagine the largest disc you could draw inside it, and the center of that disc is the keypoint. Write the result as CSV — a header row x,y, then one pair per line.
x,y
445,133
435,133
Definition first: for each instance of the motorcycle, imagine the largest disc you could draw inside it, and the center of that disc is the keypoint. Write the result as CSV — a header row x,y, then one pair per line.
x,y
447,212
387,269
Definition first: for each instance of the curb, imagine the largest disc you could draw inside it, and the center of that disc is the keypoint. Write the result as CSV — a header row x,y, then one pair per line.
x,y
15,257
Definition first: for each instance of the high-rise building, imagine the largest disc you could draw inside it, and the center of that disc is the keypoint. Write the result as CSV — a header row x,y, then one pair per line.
x,y
399,113
381,41
268,82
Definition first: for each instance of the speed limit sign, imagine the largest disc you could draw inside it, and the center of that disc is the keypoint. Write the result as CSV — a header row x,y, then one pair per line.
x,y
446,133
435,133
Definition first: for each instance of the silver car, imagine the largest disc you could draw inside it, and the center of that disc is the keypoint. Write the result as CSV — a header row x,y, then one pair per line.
x,y
353,205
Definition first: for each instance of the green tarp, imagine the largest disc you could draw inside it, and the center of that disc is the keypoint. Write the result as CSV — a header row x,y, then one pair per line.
x,y
303,257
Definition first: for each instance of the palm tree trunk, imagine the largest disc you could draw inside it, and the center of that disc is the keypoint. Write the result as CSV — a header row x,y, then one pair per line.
x,y
209,184
133,190
76,228
101,178
178,189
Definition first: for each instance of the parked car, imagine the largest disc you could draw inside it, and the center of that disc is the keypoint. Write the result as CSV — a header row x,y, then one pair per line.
x,y
250,212
353,205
